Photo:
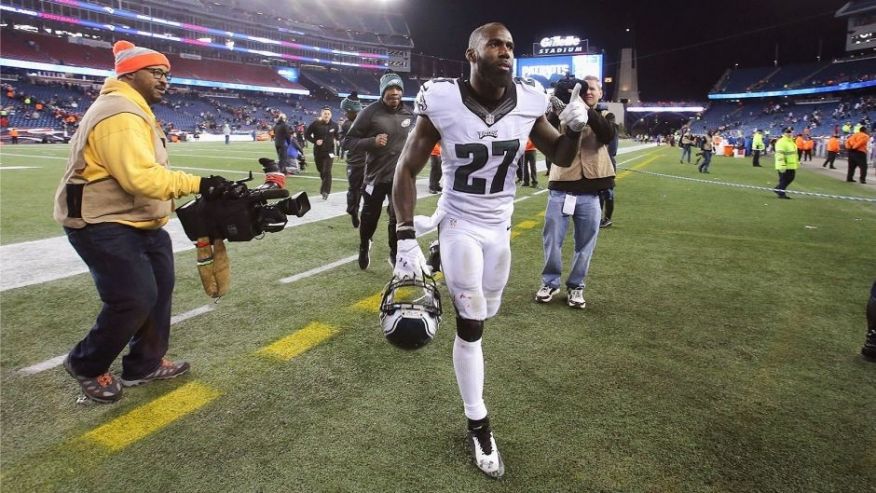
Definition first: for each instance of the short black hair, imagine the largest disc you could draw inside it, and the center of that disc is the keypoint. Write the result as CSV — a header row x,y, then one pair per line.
x,y
479,32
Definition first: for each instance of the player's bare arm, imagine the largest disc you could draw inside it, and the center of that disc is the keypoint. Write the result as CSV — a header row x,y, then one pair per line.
x,y
412,160
559,148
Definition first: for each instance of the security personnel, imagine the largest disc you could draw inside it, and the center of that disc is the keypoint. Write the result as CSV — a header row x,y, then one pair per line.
x,y
13,135
832,148
786,160
856,144
115,197
757,146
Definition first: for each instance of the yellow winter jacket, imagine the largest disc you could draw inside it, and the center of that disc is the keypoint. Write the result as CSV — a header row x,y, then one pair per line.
x,y
118,161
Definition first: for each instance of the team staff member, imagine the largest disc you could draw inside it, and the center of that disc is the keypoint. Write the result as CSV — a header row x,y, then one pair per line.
x,y
787,161
380,131
113,201
282,136
323,133
351,106
857,147
832,148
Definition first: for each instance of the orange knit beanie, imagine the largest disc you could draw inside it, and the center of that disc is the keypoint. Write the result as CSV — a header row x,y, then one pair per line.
x,y
130,58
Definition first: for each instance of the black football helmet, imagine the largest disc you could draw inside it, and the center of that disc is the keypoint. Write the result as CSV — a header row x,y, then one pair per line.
x,y
410,312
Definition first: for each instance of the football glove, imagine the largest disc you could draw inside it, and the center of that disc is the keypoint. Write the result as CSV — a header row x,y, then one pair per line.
x,y
574,115
409,261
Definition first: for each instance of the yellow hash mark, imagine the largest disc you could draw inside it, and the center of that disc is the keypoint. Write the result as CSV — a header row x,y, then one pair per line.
x,y
299,341
369,304
540,214
515,234
151,417
528,224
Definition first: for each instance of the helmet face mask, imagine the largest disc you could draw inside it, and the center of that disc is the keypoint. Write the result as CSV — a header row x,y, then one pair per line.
x,y
410,312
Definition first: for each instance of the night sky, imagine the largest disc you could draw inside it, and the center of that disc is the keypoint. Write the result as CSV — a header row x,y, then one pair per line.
x,y
683,46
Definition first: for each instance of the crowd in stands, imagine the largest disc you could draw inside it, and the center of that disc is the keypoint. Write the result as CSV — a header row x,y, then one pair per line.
x,y
820,117
49,105
39,103
757,79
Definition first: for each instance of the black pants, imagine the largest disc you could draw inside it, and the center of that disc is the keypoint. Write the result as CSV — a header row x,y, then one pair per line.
x,y
807,154
282,157
785,179
371,206
755,157
528,165
324,166
857,159
355,177
799,155
133,272
831,157
435,173
606,202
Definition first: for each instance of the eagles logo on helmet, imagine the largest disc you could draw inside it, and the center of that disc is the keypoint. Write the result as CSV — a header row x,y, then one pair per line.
x,y
410,312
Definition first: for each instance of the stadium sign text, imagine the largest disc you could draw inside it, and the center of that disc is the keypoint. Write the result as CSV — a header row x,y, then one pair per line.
x,y
559,45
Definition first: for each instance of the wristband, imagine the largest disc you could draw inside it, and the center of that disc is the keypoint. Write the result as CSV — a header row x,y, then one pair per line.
x,y
406,233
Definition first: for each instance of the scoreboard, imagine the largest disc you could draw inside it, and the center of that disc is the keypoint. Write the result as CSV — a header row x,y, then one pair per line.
x,y
549,69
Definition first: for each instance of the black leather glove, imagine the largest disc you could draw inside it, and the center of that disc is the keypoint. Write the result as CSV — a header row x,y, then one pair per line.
x,y
214,187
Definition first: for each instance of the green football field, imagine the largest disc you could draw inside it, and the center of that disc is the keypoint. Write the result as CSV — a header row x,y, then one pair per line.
x,y
719,351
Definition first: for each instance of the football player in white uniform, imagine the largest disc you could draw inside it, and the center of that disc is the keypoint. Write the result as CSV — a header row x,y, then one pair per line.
x,y
482,124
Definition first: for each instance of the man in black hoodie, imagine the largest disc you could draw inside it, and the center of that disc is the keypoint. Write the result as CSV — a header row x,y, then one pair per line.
x,y
323,133
380,130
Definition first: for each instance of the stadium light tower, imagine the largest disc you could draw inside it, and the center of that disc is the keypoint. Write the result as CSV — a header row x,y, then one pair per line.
x,y
627,87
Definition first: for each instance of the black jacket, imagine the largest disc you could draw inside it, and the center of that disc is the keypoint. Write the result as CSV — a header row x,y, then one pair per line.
x,y
281,134
376,119
354,158
327,132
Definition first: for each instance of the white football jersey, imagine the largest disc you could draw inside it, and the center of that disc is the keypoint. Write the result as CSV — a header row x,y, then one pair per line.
x,y
480,147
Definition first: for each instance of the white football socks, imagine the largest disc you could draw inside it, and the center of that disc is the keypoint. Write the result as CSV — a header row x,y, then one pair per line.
x,y
468,363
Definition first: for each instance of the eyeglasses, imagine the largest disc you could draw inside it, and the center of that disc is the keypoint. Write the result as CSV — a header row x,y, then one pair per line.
x,y
158,73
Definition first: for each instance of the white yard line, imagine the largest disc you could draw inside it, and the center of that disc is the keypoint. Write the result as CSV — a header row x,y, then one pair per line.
x,y
34,156
57,360
8,168
39,261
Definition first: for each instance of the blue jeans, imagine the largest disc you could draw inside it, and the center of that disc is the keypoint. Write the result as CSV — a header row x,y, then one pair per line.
x,y
586,219
685,151
133,272
707,160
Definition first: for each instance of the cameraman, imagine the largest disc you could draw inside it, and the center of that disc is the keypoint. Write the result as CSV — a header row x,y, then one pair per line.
x,y
115,197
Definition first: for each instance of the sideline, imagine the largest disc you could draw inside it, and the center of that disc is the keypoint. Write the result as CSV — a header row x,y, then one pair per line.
x,y
38,261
